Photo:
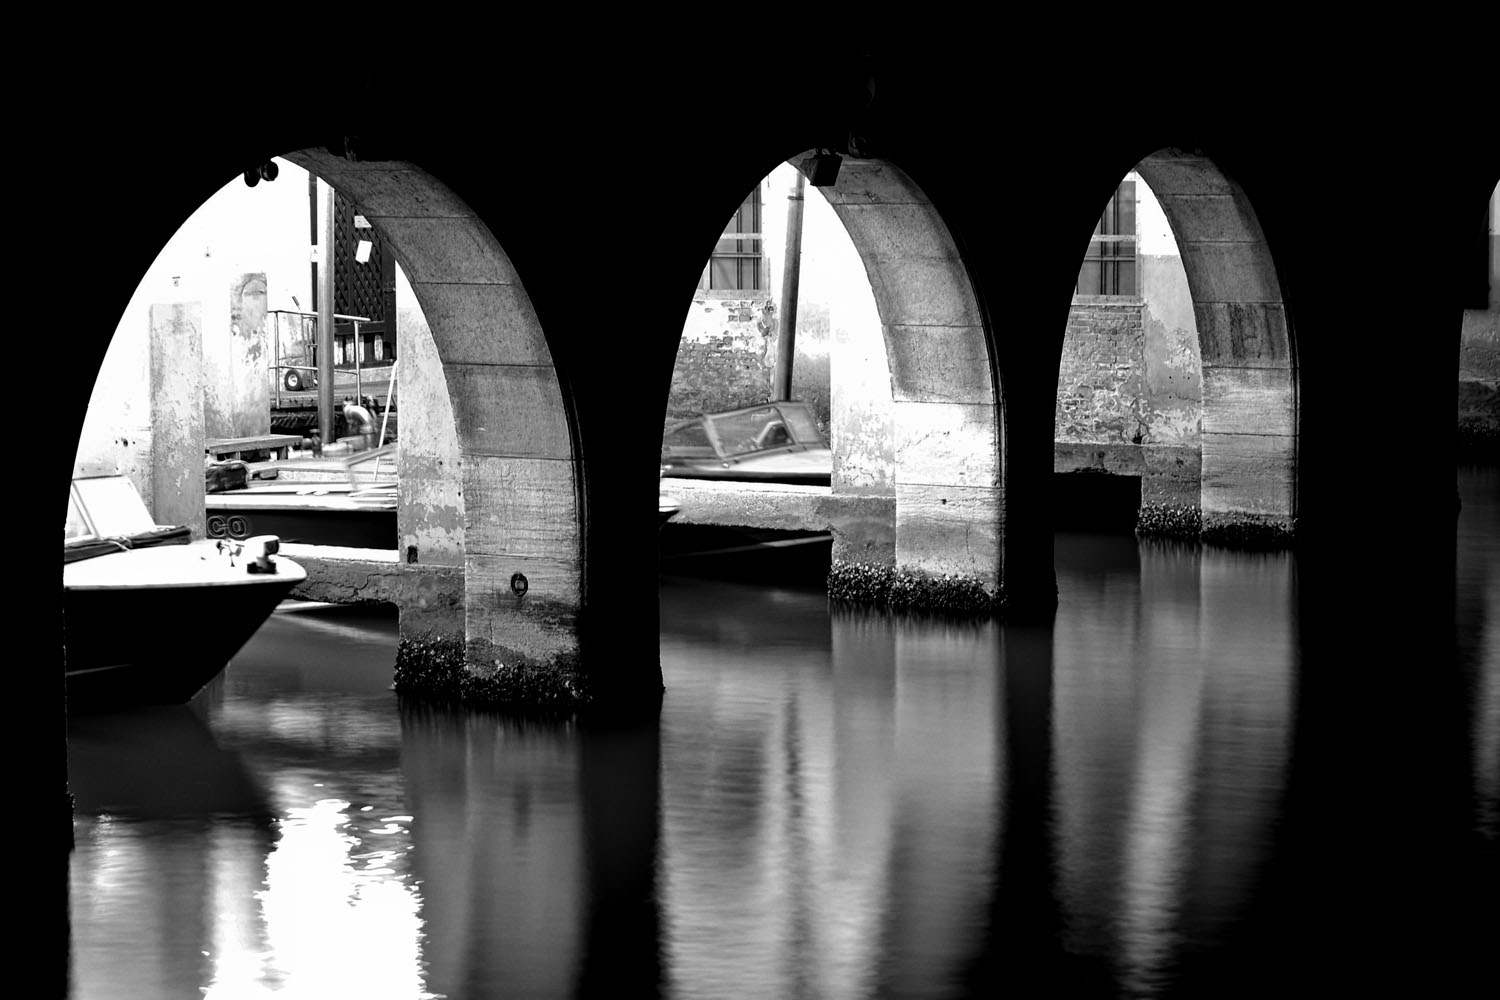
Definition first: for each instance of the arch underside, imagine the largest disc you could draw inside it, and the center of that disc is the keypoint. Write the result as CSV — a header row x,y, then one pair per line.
x,y
519,472
1249,433
519,511
947,470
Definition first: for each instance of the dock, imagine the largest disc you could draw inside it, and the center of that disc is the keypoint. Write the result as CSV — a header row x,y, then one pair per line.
x,y
239,447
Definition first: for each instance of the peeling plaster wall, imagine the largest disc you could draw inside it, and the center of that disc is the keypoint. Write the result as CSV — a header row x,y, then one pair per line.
x,y
431,509
726,357
228,365
241,253
1172,407
236,353
175,385
249,355
863,431
1130,383
116,434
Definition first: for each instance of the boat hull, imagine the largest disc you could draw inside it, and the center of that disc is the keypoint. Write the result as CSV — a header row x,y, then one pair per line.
x,y
332,519
744,553
750,473
159,644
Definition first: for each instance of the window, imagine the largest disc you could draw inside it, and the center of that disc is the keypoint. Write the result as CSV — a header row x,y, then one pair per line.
x,y
736,264
1109,265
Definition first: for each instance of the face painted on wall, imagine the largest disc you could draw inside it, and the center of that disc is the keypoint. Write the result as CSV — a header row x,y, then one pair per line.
x,y
249,305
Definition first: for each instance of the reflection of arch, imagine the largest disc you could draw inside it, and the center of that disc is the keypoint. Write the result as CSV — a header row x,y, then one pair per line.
x,y
520,512
946,406
1249,363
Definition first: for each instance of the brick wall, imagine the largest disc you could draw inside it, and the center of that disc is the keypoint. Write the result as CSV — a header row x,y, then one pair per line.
x,y
726,358
1100,381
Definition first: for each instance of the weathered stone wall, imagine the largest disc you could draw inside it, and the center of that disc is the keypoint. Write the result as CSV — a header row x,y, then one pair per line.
x,y
726,358
1172,401
1130,385
1250,419
430,520
945,412
862,425
429,597
1127,399
236,355
116,434
176,387
1100,380
1479,384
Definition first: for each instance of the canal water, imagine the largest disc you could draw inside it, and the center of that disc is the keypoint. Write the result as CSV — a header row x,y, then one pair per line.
x,y
1135,800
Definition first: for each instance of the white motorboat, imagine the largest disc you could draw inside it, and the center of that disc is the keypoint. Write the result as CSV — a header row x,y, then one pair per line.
x,y
150,615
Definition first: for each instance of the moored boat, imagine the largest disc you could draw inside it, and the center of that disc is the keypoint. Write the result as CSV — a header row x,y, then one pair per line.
x,y
667,507
777,442
348,502
150,615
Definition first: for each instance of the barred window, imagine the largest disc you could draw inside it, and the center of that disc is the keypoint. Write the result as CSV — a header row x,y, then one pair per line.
x,y
1109,266
737,263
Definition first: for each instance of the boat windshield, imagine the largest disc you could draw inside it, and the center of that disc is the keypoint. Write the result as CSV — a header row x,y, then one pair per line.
x,y
106,507
752,430
76,526
687,443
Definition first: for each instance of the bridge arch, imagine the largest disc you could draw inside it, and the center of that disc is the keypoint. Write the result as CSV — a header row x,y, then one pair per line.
x,y
1250,412
515,508
945,400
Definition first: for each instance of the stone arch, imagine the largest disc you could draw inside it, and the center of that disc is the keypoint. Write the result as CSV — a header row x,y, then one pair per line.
x,y
518,478
944,392
1250,417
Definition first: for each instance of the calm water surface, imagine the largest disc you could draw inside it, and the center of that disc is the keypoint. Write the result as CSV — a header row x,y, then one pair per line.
x,y
1133,801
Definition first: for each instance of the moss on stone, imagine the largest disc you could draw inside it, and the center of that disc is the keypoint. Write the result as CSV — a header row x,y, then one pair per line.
x,y
438,667
1247,531
430,665
1240,531
555,686
911,590
1169,520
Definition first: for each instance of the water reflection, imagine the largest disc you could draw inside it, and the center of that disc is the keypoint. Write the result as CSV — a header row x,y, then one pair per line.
x,y
1175,787
828,798
1478,632
498,841
1172,714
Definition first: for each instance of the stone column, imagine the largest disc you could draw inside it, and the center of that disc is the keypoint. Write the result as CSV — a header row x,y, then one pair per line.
x,y
177,415
1249,378
947,468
